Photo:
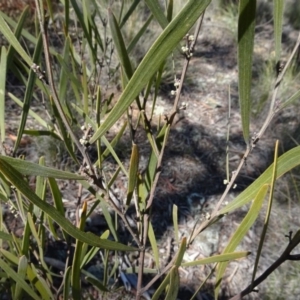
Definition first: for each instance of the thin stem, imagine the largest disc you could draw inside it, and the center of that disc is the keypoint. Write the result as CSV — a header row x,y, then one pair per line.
x,y
274,108
170,121
51,84
286,255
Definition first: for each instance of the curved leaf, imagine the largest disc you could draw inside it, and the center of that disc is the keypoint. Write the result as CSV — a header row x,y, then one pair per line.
x,y
217,258
159,51
246,29
240,233
30,168
3,66
22,270
278,20
67,283
9,35
16,179
17,278
157,12
28,93
285,163
268,213
133,173
119,44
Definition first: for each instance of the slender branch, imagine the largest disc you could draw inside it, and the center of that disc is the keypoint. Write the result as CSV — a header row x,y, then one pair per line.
x,y
284,257
274,108
98,181
170,120
81,148
156,277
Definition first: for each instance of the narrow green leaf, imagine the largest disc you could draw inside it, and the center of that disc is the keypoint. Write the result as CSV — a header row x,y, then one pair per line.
x,y
2,224
38,118
28,94
157,12
40,186
172,277
39,239
25,33
3,66
17,278
67,283
240,232
175,222
17,33
180,253
278,8
129,12
246,28
146,270
140,33
290,100
146,184
26,239
30,168
64,71
119,44
3,198
6,31
114,154
170,10
286,162
42,133
132,173
64,133
87,119
161,288
22,270
268,213
16,179
50,9
84,84
88,12
67,21
173,287
33,229
56,195
75,277
94,281
113,143
108,219
95,25
17,245
12,258
89,256
6,236
159,51
154,246
39,282
82,22
217,258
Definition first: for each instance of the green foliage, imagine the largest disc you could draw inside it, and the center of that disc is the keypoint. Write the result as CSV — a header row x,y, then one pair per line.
x,y
77,100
